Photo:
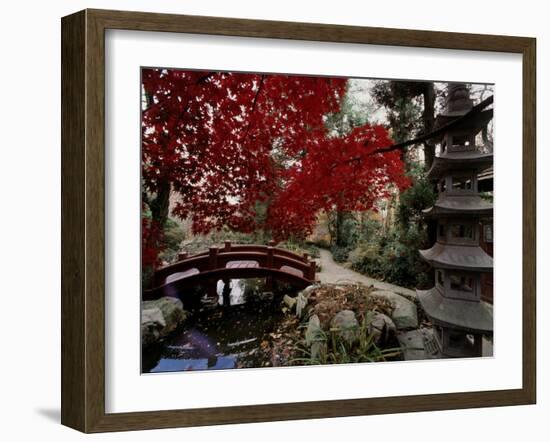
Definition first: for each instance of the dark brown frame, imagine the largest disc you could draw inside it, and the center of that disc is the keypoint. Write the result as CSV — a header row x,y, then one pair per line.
x,y
83,215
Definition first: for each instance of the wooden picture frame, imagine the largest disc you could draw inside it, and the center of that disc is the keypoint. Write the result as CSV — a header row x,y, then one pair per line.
x,y
83,220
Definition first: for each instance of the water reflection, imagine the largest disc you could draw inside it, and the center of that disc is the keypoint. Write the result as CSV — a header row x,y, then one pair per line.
x,y
213,363
225,288
223,337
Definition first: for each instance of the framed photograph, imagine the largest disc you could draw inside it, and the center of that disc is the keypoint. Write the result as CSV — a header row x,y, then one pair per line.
x,y
266,220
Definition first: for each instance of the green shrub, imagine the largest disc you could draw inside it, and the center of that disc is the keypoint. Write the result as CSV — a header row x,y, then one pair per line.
x,y
333,347
393,255
348,232
172,239
367,259
339,254
369,230
394,258
299,247
416,198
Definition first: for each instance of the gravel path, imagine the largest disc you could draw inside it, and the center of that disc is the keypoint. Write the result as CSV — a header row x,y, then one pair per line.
x,y
332,272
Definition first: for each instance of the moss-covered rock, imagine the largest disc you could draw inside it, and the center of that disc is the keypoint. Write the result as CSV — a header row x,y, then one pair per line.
x,y
345,324
159,318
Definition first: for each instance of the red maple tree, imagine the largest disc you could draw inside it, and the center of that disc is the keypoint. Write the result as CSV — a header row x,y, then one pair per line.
x,y
341,174
225,141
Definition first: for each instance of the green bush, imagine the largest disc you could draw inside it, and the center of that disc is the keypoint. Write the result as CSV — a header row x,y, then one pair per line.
x,y
367,259
172,239
339,254
299,247
394,258
393,255
369,230
348,232
332,347
415,199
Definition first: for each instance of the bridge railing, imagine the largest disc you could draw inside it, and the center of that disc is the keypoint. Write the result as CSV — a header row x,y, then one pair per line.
x,y
228,247
268,257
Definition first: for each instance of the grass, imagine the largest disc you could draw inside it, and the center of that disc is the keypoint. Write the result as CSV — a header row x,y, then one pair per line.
x,y
330,347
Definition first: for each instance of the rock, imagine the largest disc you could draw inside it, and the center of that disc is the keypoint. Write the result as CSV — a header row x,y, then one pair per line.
x,y
382,328
289,302
301,302
152,322
153,316
309,290
159,318
346,324
313,330
419,344
317,262
404,314
315,337
317,349
173,313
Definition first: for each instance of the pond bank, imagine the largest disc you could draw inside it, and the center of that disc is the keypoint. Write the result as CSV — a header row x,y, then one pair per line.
x,y
234,330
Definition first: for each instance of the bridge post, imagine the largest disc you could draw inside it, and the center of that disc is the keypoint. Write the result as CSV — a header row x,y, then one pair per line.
x,y
227,246
211,290
306,257
213,261
312,271
182,256
272,243
269,265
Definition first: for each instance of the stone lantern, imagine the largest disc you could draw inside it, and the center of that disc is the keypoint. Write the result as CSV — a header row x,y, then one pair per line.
x,y
454,304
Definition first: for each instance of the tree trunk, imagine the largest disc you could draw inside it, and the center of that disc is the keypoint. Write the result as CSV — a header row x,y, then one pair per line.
x,y
159,214
339,222
160,203
428,119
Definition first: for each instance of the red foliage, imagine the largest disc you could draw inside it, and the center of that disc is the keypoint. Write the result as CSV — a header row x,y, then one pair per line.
x,y
336,174
220,140
151,242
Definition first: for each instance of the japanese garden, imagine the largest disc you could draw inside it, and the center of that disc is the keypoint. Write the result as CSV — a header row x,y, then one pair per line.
x,y
292,220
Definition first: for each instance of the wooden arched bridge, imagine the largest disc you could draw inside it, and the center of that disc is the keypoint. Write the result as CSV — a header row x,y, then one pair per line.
x,y
231,262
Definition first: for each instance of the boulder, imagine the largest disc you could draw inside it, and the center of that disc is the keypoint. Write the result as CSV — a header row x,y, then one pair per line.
x,y
313,330
301,303
404,314
315,337
289,302
309,290
318,266
346,325
159,318
152,322
382,329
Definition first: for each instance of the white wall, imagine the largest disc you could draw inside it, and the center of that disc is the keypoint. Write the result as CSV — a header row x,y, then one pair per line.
x,y
30,231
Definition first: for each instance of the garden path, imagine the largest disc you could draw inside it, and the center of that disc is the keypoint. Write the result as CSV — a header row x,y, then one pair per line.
x,y
332,272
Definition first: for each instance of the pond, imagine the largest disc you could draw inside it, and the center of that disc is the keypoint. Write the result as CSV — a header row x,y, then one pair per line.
x,y
223,333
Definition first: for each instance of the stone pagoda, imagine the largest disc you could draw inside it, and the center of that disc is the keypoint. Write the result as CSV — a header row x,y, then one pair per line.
x,y
454,304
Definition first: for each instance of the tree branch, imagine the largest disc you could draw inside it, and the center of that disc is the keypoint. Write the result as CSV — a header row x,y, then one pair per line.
x,y
475,111
253,108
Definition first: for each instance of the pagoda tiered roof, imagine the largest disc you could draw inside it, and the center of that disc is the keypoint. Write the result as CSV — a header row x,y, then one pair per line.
x,y
474,125
457,104
458,257
470,316
457,204
452,161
